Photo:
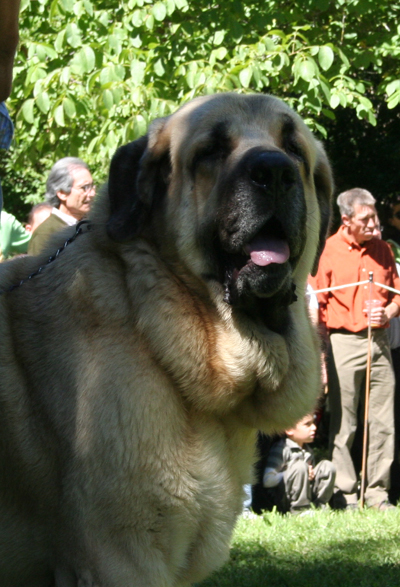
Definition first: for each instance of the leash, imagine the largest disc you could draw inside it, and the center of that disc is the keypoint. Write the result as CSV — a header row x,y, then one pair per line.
x,y
79,229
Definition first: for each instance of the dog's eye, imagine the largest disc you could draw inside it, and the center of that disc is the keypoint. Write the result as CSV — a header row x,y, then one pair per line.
x,y
217,148
291,145
209,156
293,148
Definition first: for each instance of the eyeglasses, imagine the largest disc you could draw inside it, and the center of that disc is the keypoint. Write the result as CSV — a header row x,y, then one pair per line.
x,y
86,188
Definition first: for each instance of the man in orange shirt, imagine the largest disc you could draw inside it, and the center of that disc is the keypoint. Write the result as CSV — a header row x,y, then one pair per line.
x,y
348,257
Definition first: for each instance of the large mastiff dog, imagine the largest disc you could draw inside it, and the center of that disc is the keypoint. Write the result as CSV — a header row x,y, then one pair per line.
x,y
138,365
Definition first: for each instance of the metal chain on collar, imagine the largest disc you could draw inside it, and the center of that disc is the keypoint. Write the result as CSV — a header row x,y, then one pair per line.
x,y
78,230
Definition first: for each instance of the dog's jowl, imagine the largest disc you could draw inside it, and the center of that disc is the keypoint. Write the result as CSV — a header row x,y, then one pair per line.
x,y
137,367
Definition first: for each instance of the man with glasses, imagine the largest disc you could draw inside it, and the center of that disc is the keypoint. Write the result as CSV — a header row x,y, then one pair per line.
x,y
70,190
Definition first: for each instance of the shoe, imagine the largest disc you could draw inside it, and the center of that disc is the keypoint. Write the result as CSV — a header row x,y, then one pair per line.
x,y
338,502
319,505
383,506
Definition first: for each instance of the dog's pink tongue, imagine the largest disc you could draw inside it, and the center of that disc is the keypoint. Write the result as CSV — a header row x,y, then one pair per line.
x,y
266,250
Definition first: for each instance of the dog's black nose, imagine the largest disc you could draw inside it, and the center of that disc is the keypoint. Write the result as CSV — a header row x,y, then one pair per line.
x,y
271,170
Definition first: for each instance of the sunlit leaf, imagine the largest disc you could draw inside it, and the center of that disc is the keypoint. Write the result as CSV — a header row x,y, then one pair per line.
x,y
43,102
59,115
27,110
325,57
159,11
245,76
73,35
69,107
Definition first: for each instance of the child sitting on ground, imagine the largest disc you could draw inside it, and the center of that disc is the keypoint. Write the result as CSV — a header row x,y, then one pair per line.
x,y
291,474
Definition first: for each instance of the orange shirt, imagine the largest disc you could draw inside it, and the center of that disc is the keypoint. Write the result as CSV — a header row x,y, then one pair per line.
x,y
344,261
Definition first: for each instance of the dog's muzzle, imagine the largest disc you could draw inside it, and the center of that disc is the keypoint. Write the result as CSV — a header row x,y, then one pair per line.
x,y
261,227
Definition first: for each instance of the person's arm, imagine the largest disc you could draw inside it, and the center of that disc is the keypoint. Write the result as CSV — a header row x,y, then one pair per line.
x,y
391,311
9,37
273,473
19,238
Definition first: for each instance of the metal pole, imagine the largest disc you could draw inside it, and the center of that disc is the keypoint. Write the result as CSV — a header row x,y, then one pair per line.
x,y
366,408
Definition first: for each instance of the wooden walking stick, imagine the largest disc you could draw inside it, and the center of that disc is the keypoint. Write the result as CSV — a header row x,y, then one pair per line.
x,y
366,408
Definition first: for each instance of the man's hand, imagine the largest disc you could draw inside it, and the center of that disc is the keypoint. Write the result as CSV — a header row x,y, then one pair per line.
x,y
381,316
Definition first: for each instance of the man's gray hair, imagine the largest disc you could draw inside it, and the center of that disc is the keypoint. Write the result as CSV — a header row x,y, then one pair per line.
x,y
60,178
347,200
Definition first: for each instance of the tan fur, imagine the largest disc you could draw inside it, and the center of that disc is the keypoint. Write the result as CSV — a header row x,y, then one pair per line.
x,y
131,392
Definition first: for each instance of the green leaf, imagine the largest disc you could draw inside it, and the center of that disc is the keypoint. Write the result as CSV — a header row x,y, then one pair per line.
x,y
220,53
59,115
115,44
334,101
245,76
159,11
88,6
87,58
27,110
159,68
149,22
394,100
108,99
325,57
170,7
140,125
43,102
69,107
138,18
68,5
73,35
65,75
392,87
307,69
59,42
111,140
181,4
137,71
219,37
136,41
36,73
326,91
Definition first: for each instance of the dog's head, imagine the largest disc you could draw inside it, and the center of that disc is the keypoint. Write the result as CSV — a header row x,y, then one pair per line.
x,y
237,189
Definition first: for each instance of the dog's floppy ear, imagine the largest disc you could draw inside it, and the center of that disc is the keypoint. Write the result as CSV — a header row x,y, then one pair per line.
x,y
323,181
127,210
137,182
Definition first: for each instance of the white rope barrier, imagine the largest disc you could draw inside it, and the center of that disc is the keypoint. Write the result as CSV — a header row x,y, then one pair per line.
x,y
387,287
317,291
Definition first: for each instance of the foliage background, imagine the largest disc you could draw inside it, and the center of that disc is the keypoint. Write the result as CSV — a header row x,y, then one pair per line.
x,y
90,75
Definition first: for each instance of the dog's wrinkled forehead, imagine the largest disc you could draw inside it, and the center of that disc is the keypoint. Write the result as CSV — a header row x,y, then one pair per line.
x,y
230,119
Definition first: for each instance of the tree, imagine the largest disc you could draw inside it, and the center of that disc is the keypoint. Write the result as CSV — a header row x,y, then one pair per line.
x,y
90,75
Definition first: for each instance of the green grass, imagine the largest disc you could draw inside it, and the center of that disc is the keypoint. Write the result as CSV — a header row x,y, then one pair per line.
x,y
329,549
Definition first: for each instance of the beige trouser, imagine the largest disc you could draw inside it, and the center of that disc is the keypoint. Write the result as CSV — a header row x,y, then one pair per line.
x,y
346,372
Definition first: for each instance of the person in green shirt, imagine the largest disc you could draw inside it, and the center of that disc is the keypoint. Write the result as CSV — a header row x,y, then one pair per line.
x,y
14,238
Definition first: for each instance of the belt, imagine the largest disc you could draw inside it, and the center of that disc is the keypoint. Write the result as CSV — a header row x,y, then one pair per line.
x,y
345,331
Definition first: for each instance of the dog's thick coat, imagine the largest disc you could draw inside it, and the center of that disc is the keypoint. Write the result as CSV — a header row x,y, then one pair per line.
x,y
137,367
